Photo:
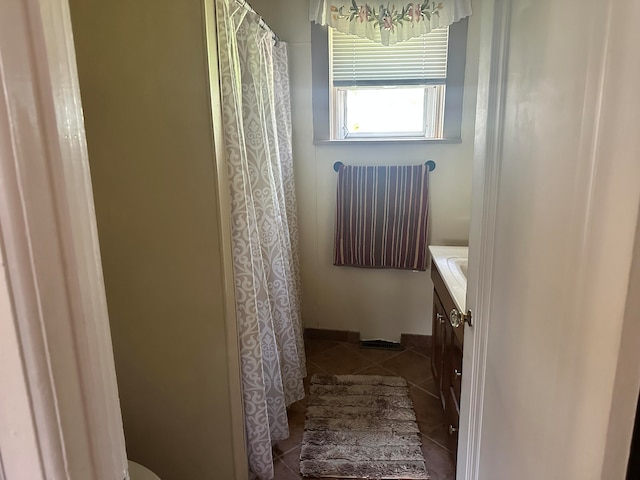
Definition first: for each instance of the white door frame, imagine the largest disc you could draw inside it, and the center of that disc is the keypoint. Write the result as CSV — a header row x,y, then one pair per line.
x,y
494,20
599,125
59,410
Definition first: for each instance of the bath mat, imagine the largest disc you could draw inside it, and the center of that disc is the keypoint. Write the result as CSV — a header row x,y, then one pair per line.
x,y
361,426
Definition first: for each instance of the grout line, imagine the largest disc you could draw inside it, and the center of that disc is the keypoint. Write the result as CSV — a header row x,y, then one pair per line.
x,y
310,359
318,367
435,442
290,469
426,391
281,456
417,352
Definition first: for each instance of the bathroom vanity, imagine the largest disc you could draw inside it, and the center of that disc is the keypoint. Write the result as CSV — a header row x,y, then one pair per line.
x,y
449,276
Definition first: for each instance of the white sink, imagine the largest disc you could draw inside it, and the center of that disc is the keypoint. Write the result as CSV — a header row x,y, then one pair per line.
x,y
458,267
452,264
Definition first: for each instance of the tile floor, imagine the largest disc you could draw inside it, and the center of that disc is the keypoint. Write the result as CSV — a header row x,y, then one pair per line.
x,y
413,364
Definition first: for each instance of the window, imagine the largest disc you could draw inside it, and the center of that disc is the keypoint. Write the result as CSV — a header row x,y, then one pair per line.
x,y
394,91
408,91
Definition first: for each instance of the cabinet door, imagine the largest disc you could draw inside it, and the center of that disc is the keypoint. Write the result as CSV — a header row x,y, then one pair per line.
x,y
452,413
455,348
452,376
438,334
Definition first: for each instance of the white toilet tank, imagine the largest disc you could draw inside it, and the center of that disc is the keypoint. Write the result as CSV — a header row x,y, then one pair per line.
x,y
138,472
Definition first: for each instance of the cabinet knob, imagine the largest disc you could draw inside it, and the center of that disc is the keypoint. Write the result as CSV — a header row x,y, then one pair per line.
x,y
440,317
457,372
452,429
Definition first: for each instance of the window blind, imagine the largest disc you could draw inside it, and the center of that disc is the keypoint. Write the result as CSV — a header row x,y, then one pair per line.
x,y
359,61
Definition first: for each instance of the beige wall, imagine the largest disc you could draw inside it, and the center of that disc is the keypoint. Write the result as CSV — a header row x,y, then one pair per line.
x,y
145,92
378,303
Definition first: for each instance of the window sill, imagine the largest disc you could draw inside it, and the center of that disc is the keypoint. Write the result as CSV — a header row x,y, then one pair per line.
x,y
388,141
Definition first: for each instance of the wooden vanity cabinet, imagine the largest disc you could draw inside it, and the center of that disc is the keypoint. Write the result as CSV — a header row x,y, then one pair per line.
x,y
446,359
438,336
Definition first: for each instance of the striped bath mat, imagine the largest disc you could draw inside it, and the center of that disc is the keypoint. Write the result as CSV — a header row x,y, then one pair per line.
x,y
361,426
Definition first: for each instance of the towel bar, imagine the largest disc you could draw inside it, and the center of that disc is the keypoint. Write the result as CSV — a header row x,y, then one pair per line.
x,y
430,163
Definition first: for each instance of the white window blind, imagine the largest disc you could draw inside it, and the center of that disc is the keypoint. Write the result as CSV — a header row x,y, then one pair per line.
x,y
359,61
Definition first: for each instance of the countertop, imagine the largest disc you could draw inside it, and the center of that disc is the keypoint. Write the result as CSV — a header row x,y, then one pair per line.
x,y
448,261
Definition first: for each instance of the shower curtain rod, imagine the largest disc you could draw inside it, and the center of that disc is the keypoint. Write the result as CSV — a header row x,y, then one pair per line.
x,y
261,22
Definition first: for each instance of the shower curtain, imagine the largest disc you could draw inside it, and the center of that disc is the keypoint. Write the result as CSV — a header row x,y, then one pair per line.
x,y
257,134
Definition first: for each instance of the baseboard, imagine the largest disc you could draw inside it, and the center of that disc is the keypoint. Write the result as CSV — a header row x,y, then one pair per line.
x,y
406,339
334,335
413,340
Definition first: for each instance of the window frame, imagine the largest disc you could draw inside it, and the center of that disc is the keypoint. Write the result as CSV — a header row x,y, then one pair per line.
x,y
454,89
338,115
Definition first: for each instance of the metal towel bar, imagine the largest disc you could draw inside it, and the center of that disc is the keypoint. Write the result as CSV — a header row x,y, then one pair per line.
x,y
430,163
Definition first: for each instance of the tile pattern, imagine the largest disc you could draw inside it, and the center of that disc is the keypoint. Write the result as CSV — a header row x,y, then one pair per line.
x,y
337,358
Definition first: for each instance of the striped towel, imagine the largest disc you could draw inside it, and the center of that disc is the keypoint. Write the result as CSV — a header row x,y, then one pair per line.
x,y
382,217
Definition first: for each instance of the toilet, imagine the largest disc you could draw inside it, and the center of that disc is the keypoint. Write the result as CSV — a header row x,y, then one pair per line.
x,y
138,472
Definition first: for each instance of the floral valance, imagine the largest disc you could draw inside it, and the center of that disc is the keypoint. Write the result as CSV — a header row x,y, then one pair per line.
x,y
389,22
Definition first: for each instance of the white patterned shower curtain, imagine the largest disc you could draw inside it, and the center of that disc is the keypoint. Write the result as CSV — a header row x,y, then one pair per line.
x,y
257,133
